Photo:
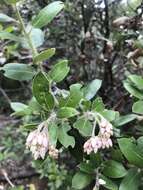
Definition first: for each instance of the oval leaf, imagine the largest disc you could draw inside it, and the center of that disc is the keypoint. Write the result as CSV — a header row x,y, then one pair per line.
x,y
44,55
18,71
47,14
41,91
131,151
114,169
131,180
81,180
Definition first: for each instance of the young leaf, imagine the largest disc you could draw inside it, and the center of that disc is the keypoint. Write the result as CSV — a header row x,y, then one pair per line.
x,y
18,71
131,151
114,169
59,71
122,120
5,18
41,91
44,55
47,14
138,107
84,126
131,180
65,139
81,180
67,112
92,88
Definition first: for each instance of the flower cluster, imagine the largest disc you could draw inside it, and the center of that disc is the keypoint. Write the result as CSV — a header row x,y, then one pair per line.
x,y
39,144
102,140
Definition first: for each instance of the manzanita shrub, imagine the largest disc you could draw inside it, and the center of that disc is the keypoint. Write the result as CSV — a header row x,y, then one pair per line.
x,y
75,118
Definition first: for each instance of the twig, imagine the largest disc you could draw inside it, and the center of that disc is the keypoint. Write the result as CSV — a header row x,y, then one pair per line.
x,y
5,95
7,178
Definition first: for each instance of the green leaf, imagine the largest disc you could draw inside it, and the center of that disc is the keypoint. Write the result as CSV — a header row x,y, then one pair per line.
x,y
86,167
36,35
11,1
133,91
18,71
131,181
67,112
92,88
98,105
59,71
137,80
5,18
84,126
138,107
53,133
9,36
109,183
17,106
30,127
63,137
20,109
41,91
114,169
122,120
110,115
74,97
44,55
131,151
47,14
81,180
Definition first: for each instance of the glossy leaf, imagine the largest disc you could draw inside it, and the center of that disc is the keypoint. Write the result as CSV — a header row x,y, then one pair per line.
x,y
138,107
92,88
47,14
59,71
131,151
110,115
44,55
18,71
81,180
133,91
41,91
122,120
109,183
114,169
137,81
98,105
131,180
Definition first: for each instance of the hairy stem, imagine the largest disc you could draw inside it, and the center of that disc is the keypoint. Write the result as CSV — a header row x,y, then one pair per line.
x,y
27,36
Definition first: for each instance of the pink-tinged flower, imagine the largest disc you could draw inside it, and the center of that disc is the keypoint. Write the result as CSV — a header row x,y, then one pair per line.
x,y
92,145
38,142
